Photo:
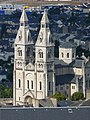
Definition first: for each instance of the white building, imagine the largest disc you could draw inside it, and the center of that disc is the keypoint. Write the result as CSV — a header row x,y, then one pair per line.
x,y
40,77
33,80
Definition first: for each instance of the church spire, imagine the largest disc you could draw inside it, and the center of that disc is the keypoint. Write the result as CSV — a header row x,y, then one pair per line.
x,y
24,35
44,37
45,18
23,18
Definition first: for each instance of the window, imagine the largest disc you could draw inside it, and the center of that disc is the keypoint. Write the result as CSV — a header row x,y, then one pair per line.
x,y
19,83
31,84
20,37
19,52
67,55
62,55
67,87
22,24
26,23
61,88
28,84
49,54
73,87
40,54
19,98
28,52
43,25
49,86
73,55
29,37
19,64
40,86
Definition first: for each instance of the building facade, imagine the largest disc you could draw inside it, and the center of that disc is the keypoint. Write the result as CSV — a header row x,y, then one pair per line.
x,y
33,80
39,77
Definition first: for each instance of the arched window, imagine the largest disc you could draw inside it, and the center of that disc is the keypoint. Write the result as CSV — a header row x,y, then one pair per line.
x,y
19,64
62,54
40,85
28,84
19,52
19,82
40,54
67,55
31,84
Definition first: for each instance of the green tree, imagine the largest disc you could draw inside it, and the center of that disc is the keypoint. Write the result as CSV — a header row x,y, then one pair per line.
x,y
59,96
77,96
6,92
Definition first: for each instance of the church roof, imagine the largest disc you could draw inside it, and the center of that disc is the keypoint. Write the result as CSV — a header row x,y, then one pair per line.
x,y
65,79
76,63
67,45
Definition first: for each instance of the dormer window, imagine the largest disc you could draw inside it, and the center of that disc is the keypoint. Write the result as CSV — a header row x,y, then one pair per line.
x,y
19,37
43,25
22,24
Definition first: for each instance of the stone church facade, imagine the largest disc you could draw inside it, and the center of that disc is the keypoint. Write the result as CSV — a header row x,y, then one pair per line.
x,y
39,77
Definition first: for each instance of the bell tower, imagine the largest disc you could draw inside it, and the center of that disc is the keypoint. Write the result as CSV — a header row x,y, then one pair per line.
x,y
23,43
23,54
44,60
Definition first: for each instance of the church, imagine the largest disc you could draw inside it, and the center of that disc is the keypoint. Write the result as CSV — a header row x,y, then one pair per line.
x,y
41,76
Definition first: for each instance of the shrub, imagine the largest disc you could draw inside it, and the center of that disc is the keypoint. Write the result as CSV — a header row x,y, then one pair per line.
x,y
77,96
59,96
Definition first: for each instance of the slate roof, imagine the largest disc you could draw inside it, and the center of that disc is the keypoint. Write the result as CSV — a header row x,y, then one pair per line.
x,y
64,79
67,45
46,103
76,63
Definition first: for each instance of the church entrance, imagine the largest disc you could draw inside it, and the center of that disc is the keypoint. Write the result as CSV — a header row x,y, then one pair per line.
x,y
28,101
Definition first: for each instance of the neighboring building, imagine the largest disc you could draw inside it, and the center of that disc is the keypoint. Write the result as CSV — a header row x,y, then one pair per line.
x,y
39,77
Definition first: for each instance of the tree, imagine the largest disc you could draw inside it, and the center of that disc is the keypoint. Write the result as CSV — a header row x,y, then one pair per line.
x,y
77,96
6,92
59,96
